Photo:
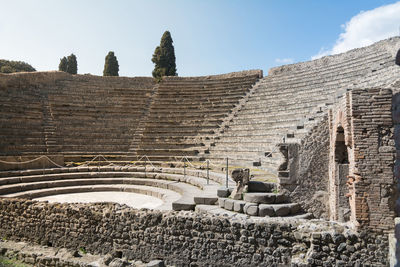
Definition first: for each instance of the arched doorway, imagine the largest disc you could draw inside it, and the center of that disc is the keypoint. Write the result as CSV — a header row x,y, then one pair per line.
x,y
341,174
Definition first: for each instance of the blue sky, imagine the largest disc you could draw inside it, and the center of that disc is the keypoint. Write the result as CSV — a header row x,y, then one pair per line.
x,y
210,36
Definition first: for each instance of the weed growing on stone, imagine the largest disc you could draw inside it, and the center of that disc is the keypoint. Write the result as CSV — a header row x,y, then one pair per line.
x,y
6,262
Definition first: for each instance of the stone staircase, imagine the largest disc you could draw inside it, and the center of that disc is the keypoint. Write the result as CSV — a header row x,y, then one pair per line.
x,y
186,111
262,200
141,126
51,135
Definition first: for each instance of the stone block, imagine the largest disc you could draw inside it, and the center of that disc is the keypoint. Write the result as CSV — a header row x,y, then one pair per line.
x,y
256,186
238,206
281,198
251,209
265,210
224,192
205,200
228,205
265,198
281,209
183,205
221,202
295,208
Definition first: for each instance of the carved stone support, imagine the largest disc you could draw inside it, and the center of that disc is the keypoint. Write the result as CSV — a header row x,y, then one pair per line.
x,y
242,178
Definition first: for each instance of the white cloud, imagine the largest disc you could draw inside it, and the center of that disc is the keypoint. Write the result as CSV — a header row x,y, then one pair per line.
x,y
284,60
366,28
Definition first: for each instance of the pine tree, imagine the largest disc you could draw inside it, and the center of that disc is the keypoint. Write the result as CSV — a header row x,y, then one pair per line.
x,y
72,65
63,64
111,66
164,58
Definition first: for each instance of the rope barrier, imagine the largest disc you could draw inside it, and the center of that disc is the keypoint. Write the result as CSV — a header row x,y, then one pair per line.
x,y
183,159
30,161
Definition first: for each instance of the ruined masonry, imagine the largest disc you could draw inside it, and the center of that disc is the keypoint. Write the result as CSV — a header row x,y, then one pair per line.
x,y
311,148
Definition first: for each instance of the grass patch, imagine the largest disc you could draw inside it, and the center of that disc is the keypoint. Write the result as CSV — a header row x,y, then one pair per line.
x,y
6,262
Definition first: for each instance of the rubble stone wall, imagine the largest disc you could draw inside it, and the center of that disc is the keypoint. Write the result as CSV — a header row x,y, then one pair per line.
x,y
184,238
311,175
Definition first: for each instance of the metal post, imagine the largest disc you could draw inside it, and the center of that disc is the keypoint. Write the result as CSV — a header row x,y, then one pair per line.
x,y
208,172
184,169
227,172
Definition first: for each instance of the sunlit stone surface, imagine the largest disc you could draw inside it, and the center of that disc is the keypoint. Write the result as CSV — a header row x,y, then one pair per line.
x,y
131,199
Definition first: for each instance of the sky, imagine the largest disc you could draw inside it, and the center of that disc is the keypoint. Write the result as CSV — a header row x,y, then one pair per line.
x,y
210,36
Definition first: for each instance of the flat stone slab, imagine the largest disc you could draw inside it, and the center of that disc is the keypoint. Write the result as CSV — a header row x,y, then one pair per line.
x,y
256,186
183,205
224,192
207,200
265,198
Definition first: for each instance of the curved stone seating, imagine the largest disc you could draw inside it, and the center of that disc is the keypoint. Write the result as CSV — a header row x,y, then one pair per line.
x,y
167,196
293,99
189,184
187,110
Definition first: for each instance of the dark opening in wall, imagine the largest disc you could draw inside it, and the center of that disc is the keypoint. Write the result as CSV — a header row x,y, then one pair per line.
x,y
341,173
341,156
398,58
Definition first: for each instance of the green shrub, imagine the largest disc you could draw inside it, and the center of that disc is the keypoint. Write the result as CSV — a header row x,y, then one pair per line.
x,y
8,66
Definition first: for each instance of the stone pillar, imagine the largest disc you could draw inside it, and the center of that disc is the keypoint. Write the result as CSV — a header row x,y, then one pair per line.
x,y
288,170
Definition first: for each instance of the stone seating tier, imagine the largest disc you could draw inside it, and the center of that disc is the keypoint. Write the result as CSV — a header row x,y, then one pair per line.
x,y
287,108
187,109
192,187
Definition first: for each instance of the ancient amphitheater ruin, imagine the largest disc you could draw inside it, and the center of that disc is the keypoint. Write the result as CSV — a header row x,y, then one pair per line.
x,y
319,139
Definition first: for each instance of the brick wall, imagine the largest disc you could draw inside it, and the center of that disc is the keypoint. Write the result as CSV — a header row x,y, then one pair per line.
x,y
365,115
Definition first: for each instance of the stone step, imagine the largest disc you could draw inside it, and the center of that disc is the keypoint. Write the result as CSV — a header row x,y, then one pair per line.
x,y
256,186
261,210
265,198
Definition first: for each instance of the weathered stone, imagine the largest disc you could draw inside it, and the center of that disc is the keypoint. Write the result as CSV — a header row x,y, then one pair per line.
x,y
238,206
241,177
251,209
256,186
228,205
266,210
264,198
155,263
223,192
281,209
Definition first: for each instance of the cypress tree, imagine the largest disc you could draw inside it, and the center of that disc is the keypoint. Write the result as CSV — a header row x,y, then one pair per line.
x,y
63,64
72,65
111,66
164,57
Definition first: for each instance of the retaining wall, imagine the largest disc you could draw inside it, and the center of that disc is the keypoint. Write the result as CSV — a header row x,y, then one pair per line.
x,y
188,238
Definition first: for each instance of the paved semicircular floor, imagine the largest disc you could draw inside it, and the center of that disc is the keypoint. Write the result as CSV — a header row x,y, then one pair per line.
x,y
133,200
